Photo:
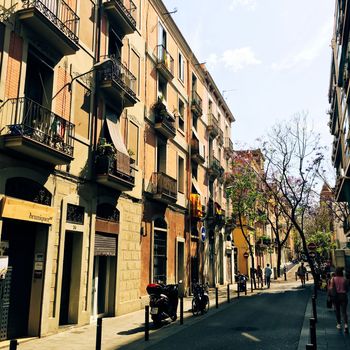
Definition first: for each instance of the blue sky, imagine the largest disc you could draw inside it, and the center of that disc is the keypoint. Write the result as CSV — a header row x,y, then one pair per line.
x,y
274,55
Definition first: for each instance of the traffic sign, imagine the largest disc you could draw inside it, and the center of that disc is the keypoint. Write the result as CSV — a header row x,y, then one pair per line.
x,y
246,254
311,246
312,254
203,233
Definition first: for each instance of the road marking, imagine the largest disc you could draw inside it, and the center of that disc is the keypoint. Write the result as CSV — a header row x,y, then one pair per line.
x,y
251,337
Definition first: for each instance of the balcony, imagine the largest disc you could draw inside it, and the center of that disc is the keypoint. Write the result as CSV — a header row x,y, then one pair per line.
x,y
163,188
34,131
117,82
228,146
215,170
164,122
220,138
123,13
54,22
196,104
213,126
115,171
165,63
197,151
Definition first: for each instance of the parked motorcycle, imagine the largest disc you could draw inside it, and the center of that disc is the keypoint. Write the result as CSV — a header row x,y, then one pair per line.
x,y
200,300
163,301
242,282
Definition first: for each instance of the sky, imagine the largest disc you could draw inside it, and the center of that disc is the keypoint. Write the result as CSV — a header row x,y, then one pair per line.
x,y
272,57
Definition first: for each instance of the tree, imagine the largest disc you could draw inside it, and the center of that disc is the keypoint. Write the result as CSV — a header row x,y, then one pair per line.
x,y
243,189
280,223
293,159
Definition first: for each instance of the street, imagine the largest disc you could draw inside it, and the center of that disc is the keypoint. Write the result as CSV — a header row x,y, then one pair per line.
x,y
266,321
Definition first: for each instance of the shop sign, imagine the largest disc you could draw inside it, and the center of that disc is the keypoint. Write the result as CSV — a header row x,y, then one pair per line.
x,y
13,208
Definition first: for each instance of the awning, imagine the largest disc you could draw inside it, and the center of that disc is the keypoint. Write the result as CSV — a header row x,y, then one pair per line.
x,y
113,125
196,187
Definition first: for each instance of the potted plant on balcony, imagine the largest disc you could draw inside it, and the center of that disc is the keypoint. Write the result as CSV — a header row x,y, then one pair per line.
x,y
105,156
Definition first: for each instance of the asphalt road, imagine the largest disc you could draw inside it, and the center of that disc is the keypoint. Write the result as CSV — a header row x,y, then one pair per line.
x,y
268,321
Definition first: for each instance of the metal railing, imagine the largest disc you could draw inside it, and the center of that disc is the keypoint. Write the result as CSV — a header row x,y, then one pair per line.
x,y
24,117
167,121
164,58
129,9
115,70
228,144
196,100
163,184
197,148
59,13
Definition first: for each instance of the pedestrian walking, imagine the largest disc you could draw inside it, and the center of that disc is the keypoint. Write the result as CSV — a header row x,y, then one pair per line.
x,y
268,273
338,289
259,276
302,273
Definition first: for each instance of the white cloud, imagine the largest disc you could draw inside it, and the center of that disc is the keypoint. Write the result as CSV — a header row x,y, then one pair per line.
x,y
309,53
248,4
234,60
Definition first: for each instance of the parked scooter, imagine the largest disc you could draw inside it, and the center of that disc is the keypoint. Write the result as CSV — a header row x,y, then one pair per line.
x,y
242,282
200,300
163,301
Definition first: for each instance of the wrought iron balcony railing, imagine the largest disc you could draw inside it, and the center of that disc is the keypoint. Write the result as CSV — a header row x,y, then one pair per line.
x,y
213,125
197,151
163,185
165,61
59,13
114,70
196,103
228,145
24,117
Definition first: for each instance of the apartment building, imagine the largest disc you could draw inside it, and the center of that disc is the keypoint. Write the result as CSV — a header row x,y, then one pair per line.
x,y
100,103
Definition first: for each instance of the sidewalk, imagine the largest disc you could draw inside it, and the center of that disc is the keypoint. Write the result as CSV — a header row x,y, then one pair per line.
x,y
129,328
328,337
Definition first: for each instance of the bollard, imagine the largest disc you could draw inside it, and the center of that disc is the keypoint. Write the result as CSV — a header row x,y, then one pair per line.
x,y
13,344
238,288
285,276
296,276
314,310
217,297
181,310
251,286
307,276
309,347
146,322
228,293
99,334
313,332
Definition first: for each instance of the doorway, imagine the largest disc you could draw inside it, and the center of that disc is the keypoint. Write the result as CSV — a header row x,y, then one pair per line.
x,y
70,289
180,261
19,238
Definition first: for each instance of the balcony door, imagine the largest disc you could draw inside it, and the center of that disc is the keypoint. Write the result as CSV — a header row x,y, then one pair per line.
x,y
39,79
114,44
160,251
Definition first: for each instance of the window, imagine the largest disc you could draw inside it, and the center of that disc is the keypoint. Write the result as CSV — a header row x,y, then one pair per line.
x,y
195,170
194,121
180,175
210,107
133,141
161,156
162,89
162,38
181,115
181,68
135,69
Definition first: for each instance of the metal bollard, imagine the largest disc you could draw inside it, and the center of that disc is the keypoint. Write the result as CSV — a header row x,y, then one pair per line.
x,y
146,322
228,293
314,310
98,334
251,286
238,288
13,344
217,297
285,276
313,332
296,276
309,347
307,276
181,310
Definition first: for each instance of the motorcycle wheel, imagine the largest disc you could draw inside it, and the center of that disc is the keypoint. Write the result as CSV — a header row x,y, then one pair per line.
x,y
173,317
206,306
157,321
195,307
